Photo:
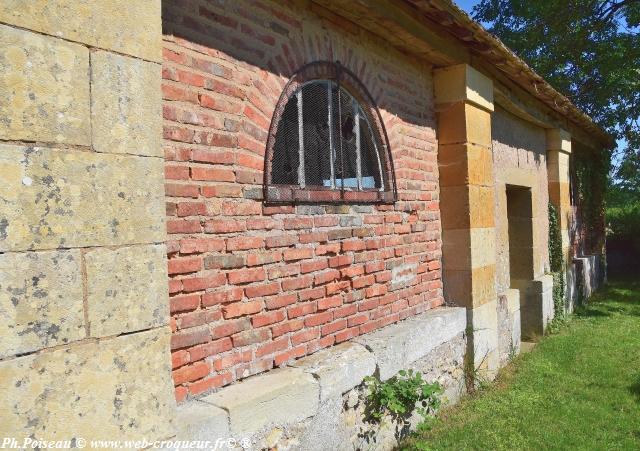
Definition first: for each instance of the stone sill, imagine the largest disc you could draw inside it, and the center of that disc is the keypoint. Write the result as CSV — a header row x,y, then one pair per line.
x,y
291,394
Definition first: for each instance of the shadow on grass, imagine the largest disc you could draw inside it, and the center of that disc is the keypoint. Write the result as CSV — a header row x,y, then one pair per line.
x,y
620,296
586,312
635,389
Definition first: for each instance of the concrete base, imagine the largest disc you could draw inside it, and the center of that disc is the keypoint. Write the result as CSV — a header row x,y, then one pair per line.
x,y
320,403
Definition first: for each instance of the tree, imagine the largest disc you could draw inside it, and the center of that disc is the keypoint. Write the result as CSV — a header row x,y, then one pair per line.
x,y
590,51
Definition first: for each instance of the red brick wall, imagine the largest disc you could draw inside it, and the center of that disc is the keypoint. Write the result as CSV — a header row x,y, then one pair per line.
x,y
252,286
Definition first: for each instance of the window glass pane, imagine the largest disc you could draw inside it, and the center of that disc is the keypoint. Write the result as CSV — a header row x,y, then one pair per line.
x,y
371,164
346,160
284,164
315,120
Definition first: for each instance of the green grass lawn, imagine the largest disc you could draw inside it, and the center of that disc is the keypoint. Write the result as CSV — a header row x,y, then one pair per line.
x,y
578,389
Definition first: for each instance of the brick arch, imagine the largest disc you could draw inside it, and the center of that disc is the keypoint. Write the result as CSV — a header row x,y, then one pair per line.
x,y
336,72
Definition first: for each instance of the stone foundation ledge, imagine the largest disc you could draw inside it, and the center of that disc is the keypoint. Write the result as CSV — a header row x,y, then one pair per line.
x,y
287,406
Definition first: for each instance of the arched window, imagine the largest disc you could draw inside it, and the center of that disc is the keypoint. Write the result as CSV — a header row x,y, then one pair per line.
x,y
327,142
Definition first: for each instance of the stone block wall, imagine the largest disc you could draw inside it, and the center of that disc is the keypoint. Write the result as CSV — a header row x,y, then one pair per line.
x,y
519,153
251,286
84,336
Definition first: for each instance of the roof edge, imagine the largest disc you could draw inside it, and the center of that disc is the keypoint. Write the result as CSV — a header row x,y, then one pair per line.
x,y
472,35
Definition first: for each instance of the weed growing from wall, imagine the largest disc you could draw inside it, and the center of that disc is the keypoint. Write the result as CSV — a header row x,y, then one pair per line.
x,y
401,395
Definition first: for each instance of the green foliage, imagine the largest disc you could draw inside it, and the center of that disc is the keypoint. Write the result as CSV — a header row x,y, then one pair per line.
x,y
623,218
399,395
623,230
577,390
560,316
624,223
590,51
556,261
624,226
591,181
555,240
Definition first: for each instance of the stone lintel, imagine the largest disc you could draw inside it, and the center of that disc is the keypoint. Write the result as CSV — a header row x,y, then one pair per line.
x,y
463,83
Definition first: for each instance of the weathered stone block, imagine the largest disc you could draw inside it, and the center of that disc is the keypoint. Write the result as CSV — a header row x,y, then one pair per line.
x,y
484,323
467,206
560,197
126,110
543,289
127,289
481,206
478,125
470,287
469,248
279,397
464,123
536,305
558,165
338,369
44,86
40,301
458,287
133,28
558,139
51,198
93,390
513,304
198,420
397,346
456,213
463,83
462,164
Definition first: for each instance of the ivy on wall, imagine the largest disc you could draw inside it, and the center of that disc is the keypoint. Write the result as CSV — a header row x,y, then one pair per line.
x,y
591,182
556,262
555,240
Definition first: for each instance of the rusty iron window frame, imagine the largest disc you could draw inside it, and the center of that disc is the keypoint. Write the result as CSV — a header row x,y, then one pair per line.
x,y
334,75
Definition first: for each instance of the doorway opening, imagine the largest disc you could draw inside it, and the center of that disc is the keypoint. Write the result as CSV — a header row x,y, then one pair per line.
x,y
521,263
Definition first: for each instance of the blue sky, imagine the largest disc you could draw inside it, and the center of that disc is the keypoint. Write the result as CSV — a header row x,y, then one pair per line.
x,y
467,5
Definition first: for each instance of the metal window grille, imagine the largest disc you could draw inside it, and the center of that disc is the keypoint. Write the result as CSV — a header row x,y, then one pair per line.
x,y
327,142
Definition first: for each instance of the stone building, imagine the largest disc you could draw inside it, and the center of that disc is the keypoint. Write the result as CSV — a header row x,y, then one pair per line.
x,y
217,217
